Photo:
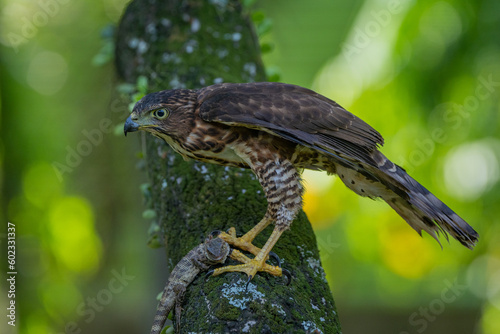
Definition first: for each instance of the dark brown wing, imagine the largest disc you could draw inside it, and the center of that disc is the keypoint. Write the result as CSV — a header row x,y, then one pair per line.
x,y
292,112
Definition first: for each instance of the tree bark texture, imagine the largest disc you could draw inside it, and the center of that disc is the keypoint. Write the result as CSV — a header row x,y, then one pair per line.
x,y
191,44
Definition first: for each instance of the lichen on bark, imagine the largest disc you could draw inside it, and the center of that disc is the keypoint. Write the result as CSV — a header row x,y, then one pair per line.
x,y
190,44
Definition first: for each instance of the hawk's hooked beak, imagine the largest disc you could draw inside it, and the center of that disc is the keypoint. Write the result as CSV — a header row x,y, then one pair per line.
x,y
130,126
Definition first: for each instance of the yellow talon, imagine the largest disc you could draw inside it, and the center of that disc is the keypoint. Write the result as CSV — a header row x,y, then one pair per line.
x,y
248,266
242,243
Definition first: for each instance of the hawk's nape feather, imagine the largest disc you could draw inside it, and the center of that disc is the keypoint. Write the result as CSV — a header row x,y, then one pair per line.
x,y
292,112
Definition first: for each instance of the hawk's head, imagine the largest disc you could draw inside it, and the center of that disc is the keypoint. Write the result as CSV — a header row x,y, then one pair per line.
x,y
168,113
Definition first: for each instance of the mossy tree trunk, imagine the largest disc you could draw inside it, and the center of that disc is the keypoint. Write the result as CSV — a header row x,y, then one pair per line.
x,y
191,44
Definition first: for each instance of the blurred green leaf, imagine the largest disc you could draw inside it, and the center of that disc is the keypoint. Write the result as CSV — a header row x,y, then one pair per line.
x,y
262,24
264,27
158,296
108,32
258,16
145,188
106,53
273,73
142,85
266,47
149,214
101,59
154,240
125,88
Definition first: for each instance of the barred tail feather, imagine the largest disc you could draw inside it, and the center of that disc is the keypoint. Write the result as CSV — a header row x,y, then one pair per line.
x,y
424,211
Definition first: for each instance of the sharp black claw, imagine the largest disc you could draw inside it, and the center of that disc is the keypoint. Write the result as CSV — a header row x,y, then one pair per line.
x,y
215,233
209,273
248,282
288,276
275,257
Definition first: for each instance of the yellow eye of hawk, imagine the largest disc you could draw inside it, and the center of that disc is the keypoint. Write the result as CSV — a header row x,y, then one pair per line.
x,y
161,113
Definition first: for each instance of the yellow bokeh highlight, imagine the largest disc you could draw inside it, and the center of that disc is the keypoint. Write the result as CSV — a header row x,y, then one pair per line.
x,y
490,321
404,252
41,185
74,239
320,205
320,214
311,205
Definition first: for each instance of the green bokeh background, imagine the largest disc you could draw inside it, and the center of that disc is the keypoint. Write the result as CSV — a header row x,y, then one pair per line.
x,y
425,74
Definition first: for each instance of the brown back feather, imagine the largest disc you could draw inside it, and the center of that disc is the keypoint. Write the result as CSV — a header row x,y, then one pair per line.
x,y
291,112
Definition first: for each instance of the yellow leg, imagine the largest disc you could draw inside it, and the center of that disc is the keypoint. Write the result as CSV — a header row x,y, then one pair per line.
x,y
245,242
252,266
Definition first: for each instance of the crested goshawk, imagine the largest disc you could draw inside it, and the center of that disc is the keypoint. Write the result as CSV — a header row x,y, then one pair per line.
x,y
276,130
